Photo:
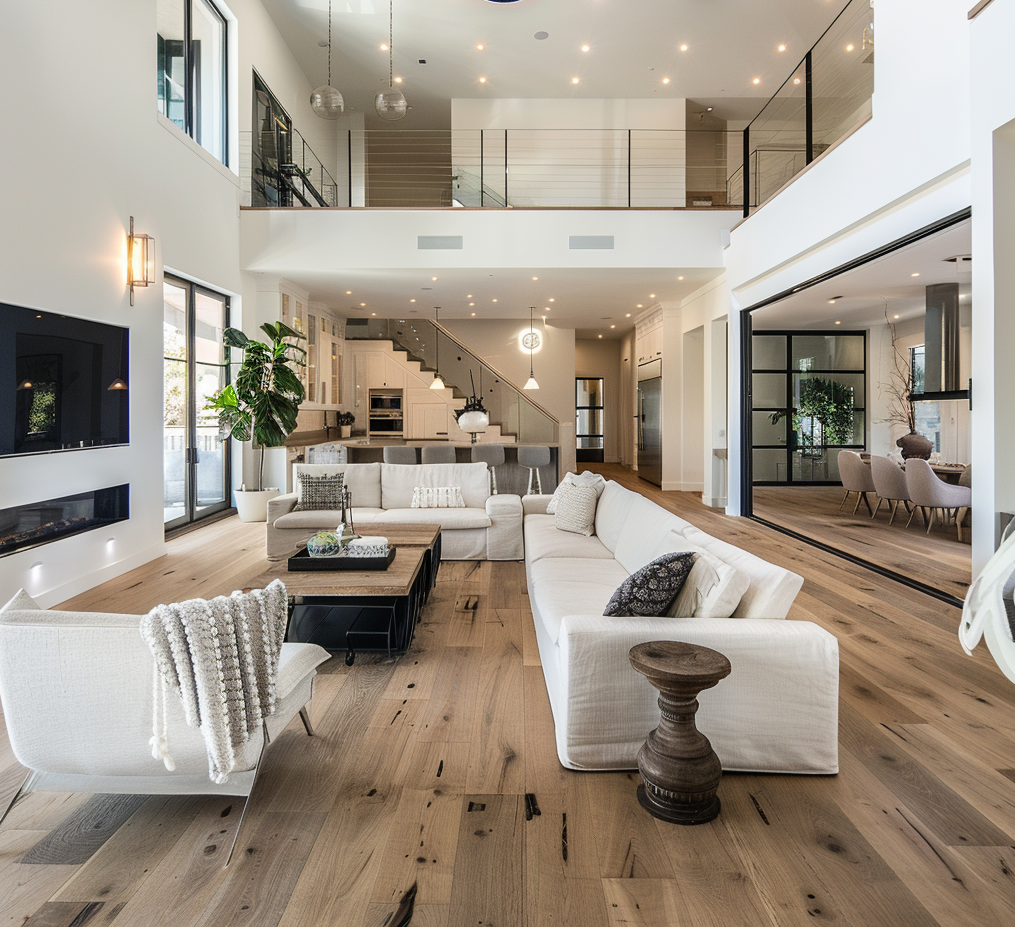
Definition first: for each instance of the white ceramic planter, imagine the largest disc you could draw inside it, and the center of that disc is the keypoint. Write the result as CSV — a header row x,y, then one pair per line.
x,y
252,504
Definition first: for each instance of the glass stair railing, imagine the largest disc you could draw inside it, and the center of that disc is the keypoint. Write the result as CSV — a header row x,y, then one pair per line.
x,y
424,341
467,190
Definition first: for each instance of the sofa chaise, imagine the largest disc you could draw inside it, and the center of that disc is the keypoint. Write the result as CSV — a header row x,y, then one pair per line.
x,y
776,712
489,527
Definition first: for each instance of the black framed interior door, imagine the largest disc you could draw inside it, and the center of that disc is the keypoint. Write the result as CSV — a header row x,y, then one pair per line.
x,y
196,461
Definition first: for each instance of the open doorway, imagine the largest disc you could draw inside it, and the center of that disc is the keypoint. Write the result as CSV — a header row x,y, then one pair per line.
x,y
854,376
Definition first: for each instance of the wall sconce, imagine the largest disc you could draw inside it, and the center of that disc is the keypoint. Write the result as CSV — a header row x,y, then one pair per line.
x,y
140,260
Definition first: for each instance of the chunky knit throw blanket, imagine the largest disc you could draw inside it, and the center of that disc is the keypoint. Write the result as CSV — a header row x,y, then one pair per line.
x,y
221,658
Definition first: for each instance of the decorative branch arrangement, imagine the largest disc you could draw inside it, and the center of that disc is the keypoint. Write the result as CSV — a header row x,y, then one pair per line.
x,y
900,386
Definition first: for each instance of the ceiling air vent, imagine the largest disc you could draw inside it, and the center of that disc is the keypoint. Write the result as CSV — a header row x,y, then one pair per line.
x,y
590,242
439,243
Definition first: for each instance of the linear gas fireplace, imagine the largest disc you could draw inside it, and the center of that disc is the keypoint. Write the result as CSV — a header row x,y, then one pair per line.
x,y
24,526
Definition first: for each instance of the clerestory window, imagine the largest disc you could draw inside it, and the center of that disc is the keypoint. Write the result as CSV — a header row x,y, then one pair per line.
x,y
192,71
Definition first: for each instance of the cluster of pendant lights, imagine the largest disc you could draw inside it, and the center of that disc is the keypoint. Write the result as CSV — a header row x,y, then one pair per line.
x,y
390,105
438,382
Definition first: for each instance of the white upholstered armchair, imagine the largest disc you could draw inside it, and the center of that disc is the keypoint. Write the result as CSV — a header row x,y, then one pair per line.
x,y
76,689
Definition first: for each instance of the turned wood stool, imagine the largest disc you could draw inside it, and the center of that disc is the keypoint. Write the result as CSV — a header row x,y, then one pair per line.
x,y
679,769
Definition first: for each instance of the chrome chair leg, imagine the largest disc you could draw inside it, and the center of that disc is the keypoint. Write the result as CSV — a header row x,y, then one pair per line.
x,y
253,782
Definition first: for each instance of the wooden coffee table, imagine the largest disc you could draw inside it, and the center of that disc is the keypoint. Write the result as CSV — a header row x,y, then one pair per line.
x,y
363,611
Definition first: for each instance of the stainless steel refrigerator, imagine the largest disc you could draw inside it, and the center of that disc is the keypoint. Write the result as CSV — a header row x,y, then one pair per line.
x,y
650,430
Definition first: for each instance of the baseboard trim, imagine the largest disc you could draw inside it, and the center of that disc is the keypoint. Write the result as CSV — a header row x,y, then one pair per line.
x,y
65,591
677,486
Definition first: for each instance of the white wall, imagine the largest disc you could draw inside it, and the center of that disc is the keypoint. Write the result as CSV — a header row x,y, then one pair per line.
x,y
551,142
993,146
82,173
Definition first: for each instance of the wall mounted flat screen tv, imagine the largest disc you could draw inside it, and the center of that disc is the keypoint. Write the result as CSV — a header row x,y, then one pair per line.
x,y
64,383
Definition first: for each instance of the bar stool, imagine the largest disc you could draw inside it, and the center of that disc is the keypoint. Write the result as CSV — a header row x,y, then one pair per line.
x,y
532,457
396,454
493,456
437,454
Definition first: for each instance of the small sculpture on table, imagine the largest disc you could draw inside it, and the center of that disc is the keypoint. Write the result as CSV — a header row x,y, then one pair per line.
x,y
348,528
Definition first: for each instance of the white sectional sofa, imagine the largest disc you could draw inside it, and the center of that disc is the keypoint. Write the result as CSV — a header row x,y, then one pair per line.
x,y
776,712
488,528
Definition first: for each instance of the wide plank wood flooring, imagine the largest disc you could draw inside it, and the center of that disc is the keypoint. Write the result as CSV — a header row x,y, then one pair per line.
x,y
938,559
420,767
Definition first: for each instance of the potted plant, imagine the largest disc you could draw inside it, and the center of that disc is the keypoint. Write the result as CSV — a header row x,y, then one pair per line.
x,y
826,404
262,403
345,423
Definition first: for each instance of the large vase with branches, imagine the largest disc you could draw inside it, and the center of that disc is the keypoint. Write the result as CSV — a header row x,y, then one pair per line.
x,y
263,402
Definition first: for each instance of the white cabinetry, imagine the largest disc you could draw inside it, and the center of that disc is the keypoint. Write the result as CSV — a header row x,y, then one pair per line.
x,y
649,337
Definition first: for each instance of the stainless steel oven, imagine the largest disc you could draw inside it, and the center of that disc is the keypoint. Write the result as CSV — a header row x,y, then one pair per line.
x,y
385,400
386,412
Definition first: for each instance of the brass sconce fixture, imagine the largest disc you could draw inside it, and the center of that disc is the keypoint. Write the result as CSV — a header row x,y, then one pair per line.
x,y
140,260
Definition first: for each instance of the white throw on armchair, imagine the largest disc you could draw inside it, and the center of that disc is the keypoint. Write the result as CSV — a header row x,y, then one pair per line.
x,y
76,689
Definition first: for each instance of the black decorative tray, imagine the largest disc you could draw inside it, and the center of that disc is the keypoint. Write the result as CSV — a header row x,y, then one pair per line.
x,y
302,561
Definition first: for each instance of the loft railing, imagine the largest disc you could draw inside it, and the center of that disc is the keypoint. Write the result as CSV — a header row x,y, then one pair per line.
x,y
828,93
284,171
637,168
517,412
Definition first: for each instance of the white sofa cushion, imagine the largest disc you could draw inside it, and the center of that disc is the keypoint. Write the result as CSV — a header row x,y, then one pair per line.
x,y
542,539
646,523
713,589
325,518
572,587
446,518
611,513
399,480
363,480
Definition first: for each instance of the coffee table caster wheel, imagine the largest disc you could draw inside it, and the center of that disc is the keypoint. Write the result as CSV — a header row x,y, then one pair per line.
x,y
349,657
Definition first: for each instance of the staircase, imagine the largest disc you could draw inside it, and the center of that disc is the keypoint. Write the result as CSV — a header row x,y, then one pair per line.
x,y
418,347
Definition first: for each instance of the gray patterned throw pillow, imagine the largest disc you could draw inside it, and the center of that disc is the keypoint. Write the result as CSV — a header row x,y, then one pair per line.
x,y
318,493
650,591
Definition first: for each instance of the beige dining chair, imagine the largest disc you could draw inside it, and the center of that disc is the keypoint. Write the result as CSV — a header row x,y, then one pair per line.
x,y
890,484
928,491
856,477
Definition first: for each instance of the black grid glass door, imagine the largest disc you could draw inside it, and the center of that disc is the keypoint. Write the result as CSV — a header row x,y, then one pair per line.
x,y
808,403
589,421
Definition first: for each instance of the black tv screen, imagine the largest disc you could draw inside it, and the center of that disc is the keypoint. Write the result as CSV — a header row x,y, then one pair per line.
x,y
64,382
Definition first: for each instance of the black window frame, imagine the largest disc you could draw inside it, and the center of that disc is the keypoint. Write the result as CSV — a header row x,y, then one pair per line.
x,y
192,121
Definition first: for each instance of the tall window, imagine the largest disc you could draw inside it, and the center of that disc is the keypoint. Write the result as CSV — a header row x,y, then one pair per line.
x,y
928,414
808,392
196,364
192,70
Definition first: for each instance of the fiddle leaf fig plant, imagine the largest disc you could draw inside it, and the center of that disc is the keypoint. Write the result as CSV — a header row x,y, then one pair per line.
x,y
263,402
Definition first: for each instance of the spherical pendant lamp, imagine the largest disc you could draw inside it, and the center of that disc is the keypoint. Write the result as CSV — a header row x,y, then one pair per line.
x,y
326,101
391,104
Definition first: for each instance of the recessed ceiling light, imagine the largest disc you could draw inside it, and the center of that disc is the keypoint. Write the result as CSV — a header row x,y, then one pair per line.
x,y
585,48
373,313
666,80
362,304
574,80
838,323
472,304
348,292
757,80
849,47
473,313
480,47
412,300
612,326
550,300
782,48
914,275
680,278
796,80
494,299
468,296
548,308
398,80
482,80
651,295
434,279
535,278
896,315
638,306
683,48
831,302
600,336
627,316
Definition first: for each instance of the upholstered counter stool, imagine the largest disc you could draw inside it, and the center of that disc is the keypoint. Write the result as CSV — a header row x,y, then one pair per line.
x,y
679,769
493,456
532,457
437,454
396,454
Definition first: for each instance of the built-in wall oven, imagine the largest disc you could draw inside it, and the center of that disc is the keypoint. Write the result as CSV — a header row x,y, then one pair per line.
x,y
386,412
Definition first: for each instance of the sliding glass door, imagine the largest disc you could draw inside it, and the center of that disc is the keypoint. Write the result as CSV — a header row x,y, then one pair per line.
x,y
195,365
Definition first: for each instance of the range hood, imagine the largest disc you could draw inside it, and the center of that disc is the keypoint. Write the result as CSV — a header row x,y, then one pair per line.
x,y
941,346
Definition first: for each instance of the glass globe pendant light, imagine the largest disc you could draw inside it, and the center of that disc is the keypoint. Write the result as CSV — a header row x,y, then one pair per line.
x,y
438,383
326,101
531,383
391,104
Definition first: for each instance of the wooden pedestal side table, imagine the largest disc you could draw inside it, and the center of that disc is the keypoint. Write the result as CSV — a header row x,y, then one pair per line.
x,y
680,771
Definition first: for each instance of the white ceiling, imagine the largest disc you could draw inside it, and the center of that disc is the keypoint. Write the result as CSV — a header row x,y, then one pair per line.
x,y
864,296
588,299
633,44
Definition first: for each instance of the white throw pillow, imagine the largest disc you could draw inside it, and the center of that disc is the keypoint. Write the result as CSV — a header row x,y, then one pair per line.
x,y
576,509
713,589
585,478
437,497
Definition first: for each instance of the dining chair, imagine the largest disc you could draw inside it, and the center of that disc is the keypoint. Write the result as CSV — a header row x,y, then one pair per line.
x,y
928,491
856,477
890,484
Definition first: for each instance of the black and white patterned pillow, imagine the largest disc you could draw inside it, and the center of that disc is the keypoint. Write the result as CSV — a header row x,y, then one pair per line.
x,y
317,493
650,591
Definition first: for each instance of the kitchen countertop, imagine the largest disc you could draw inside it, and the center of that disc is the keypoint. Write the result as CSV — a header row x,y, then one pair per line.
x,y
306,438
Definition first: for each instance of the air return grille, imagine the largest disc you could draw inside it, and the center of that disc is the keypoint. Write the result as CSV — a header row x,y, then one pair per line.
x,y
439,243
590,242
